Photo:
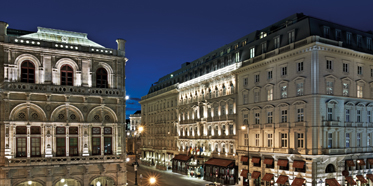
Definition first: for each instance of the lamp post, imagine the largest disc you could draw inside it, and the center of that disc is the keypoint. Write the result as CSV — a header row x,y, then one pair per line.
x,y
135,166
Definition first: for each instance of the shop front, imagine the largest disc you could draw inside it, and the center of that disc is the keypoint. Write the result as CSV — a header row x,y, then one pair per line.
x,y
180,163
222,171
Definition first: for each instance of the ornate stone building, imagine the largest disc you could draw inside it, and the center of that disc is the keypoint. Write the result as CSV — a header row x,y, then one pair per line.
x,y
63,108
132,132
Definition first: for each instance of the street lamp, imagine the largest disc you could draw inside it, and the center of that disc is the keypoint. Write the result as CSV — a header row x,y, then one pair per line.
x,y
141,128
243,127
152,180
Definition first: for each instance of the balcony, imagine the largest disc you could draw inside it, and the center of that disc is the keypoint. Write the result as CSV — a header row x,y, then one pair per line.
x,y
21,162
42,88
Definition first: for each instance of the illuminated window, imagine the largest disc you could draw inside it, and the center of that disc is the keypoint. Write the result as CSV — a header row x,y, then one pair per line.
x,y
284,92
252,52
270,94
27,72
359,91
263,35
300,89
345,89
347,139
329,87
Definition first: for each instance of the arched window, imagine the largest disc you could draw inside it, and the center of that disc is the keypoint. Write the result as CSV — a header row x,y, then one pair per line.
x,y
330,168
101,78
67,75
27,72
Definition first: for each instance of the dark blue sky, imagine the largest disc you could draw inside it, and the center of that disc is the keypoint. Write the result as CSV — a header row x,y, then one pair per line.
x,y
163,34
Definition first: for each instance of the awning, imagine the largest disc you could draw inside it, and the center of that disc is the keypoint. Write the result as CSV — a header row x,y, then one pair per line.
x,y
361,178
298,164
370,161
332,182
255,175
181,157
350,163
219,162
282,163
255,160
244,173
361,161
298,182
268,161
370,176
282,179
267,177
170,153
244,158
350,180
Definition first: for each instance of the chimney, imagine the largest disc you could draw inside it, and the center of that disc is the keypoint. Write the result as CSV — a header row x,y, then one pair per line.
x,y
121,46
3,28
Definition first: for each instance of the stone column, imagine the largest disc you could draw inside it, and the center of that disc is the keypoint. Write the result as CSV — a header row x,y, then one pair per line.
x,y
3,30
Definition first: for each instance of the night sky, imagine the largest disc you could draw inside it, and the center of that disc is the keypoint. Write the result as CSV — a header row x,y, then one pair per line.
x,y
163,34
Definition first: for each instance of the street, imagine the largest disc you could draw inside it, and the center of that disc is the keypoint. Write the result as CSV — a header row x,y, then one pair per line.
x,y
163,178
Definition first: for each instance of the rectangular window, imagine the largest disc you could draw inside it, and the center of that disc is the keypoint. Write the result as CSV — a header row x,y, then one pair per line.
x,y
35,147
284,92
61,147
300,115
107,130
369,43
368,139
329,64
270,94
358,139
21,147
230,108
252,52
284,116
60,130
96,146
347,115
326,32
300,66
369,116
300,89
358,116
345,89
222,110
269,140
245,99
96,130
359,91
73,130
73,147
338,35
329,88
257,140
284,140
256,96
300,140
246,139
359,41
330,114
257,118
269,117
345,67
291,36
245,81
21,130
257,78
269,74
284,71
35,130
330,140
347,140
107,146
360,70
277,42
264,48
348,38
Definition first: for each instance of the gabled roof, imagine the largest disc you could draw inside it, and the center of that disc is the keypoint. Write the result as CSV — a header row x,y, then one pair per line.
x,y
62,36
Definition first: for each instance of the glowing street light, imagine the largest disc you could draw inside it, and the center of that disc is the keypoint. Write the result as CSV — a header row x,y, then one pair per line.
x,y
152,180
29,182
127,97
243,127
141,128
62,180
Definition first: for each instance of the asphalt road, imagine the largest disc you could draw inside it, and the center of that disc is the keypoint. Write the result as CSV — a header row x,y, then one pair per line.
x,y
163,178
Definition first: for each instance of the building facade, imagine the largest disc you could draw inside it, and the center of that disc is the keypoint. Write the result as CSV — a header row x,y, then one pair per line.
x,y
304,104
132,132
289,104
63,108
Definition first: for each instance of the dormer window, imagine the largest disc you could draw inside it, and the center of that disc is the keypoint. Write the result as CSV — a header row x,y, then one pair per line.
x,y
263,35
